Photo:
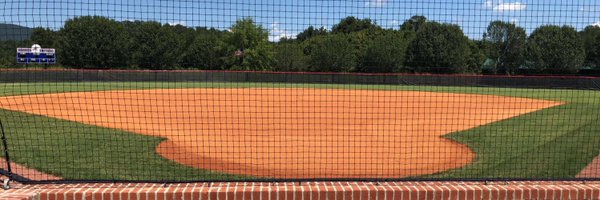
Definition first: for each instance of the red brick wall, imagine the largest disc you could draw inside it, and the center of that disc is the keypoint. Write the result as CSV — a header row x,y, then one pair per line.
x,y
310,190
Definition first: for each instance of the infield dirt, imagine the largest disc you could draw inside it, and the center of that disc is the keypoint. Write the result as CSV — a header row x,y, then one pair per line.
x,y
291,132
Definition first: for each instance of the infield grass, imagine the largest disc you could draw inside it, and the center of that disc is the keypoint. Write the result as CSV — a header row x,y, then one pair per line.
x,y
552,143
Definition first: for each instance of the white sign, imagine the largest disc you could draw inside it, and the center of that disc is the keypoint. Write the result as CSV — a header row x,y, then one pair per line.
x,y
36,49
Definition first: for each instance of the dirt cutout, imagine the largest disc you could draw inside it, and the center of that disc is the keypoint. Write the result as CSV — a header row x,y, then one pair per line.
x,y
29,173
592,170
291,132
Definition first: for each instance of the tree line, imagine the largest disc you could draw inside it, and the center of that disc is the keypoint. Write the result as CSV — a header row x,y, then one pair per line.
x,y
353,45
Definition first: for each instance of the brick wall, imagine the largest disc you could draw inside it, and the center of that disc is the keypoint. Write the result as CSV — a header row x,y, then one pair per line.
x,y
311,190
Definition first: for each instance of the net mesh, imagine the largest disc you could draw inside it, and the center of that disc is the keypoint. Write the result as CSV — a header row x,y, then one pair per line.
x,y
168,91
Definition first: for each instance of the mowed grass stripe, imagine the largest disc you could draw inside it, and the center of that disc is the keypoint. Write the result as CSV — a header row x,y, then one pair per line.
x,y
555,142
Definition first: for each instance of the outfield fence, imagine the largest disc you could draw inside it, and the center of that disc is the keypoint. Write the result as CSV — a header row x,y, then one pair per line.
x,y
502,81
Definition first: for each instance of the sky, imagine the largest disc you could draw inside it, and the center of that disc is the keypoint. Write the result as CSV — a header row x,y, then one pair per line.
x,y
286,18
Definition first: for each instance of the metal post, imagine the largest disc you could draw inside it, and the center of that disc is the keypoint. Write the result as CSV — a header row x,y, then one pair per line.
x,y
6,157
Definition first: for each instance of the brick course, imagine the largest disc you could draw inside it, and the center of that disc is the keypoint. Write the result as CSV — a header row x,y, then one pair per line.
x,y
308,190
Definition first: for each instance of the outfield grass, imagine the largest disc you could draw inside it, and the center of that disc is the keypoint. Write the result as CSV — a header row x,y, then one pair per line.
x,y
553,143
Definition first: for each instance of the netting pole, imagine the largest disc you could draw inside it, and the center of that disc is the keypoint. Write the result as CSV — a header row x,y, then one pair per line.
x,y
6,158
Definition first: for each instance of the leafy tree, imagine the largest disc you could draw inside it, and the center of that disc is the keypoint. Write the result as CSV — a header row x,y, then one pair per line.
x,y
507,46
171,47
93,42
556,49
153,45
44,37
289,56
352,24
385,53
185,37
595,52
205,52
251,39
477,57
7,52
438,48
414,24
311,32
331,53
362,39
591,41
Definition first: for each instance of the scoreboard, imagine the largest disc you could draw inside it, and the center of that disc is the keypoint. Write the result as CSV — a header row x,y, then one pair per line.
x,y
36,55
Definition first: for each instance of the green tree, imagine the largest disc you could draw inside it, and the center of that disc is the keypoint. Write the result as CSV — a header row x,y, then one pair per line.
x,y
438,48
477,57
507,46
289,56
44,37
414,24
93,42
311,32
185,38
205,52
362,39
556,49
153,45
331,53
7,52
591,41
385,53
173,45
251,39
352,24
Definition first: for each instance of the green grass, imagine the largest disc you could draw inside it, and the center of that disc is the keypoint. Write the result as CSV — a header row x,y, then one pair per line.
x,y
553,143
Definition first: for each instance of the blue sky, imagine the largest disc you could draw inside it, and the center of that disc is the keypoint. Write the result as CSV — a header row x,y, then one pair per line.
x,y
288,17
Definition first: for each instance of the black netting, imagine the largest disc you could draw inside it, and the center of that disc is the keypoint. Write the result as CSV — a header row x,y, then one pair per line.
x,y
167,91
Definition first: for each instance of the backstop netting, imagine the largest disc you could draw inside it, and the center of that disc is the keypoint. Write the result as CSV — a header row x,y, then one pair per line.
x,y
178,91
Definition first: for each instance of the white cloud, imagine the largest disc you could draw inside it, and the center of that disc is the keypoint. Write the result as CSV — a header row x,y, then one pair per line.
x,y
500,6
177,23
510,6
596,24
276,33
375,3
394,22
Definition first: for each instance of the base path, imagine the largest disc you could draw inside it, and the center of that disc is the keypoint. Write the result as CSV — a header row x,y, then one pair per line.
x,y
292,132
29,173
591,170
